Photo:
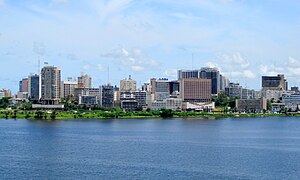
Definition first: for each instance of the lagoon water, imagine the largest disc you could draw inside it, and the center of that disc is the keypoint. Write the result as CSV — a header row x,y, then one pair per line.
x,y
244,148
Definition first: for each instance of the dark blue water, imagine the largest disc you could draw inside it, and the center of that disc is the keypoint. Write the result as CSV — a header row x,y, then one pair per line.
x,y
258,148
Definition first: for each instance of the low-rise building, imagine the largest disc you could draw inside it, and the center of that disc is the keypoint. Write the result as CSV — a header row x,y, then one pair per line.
x,y
251,105
209,106
277,107
291,101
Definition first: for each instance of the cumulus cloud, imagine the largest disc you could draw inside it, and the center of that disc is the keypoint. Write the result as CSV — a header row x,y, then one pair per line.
x,y
135,59
235,66
235,60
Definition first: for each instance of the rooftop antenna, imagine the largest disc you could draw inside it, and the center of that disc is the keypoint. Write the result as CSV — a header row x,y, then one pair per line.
x,y
108,74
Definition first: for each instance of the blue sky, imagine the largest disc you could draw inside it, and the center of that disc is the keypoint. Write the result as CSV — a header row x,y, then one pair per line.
x,y
150,38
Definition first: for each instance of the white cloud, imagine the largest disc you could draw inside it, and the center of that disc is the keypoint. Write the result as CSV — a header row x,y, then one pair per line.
x,y
235,60
133,59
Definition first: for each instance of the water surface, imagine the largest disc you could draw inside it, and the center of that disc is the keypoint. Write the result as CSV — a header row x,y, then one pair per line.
x,y
244,148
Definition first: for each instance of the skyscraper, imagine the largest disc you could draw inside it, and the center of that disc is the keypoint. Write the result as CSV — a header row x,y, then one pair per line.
x,y
23,86
204,73
107,96
33,86
50,85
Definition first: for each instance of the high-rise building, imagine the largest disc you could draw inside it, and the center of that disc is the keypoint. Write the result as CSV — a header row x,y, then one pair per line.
x,y
161,90
107,96
204,73
23,85
274,82
128,85
84,81
195,90
34,86
50,85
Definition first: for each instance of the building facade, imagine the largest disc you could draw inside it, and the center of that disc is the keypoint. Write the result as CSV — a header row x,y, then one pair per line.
x,y
128,85
84,81
34,87
251,105
205,73
107,96
50,85
195,90
274,82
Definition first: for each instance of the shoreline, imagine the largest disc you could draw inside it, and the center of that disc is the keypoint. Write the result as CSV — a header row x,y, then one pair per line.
x,y
32,115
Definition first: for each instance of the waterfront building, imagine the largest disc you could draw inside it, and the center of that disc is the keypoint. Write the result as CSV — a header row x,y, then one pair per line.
x,y
208,106
161,89
88,94
84,81
295,89
274,83
234,90
68,88
291,101
251,105
224,82
141,97
174,104
205,73
88,100
107,96
275,95
50,85
146,87
195,90
128,85
277,107
2,93
34,87
22,95
23,87
174,87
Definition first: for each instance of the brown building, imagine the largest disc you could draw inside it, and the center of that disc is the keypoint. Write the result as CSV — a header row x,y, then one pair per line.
x,y
274,83
251,105
195,90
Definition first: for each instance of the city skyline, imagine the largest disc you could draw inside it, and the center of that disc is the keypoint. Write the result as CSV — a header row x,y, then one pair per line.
x,y
150,38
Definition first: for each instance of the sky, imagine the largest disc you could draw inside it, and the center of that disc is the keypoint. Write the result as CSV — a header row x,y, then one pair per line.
x,y
112,39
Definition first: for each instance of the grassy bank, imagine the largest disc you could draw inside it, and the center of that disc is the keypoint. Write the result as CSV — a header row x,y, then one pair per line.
x,y
20,114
